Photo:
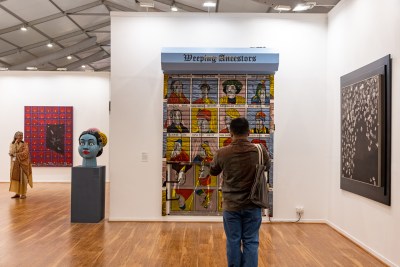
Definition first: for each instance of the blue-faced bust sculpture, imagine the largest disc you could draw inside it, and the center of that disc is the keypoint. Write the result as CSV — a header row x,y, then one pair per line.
x,y
91,143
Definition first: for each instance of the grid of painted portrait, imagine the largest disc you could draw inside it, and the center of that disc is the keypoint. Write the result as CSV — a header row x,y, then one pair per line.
x,y
197,112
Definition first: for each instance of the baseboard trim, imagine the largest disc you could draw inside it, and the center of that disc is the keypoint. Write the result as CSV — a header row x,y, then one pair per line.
x,y
361,244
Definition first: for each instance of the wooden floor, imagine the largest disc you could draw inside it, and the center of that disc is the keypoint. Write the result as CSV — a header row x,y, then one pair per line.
x,y
37,232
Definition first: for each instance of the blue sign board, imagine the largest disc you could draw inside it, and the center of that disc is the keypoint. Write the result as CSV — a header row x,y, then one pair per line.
x,y
181,60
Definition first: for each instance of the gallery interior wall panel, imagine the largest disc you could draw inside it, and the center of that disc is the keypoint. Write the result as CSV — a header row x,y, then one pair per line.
x,y
137,124
370,224
88,95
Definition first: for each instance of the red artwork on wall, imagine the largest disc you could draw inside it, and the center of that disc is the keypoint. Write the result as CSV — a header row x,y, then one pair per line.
x,y
49,133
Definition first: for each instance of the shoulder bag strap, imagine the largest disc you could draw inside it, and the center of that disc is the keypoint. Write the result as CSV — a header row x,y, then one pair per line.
x,y
260,155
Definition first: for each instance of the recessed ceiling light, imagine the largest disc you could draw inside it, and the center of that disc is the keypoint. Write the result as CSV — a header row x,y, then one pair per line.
x,y
31,68
282,8
83,66
304,6
69,57
3,68
23,28
209,4
146,3
174,8
50,45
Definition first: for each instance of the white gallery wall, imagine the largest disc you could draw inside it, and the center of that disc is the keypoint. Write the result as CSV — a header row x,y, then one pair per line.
x,y
87,92
360,32
301,150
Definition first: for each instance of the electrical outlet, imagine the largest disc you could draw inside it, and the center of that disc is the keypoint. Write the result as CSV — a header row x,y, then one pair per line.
x,y
299,210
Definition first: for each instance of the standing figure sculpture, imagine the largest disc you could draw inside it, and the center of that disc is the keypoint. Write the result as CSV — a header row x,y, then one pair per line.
x,y
21,167
91,143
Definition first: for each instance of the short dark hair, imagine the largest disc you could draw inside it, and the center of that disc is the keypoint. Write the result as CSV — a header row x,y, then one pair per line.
x,y
238,85
206,86
239,126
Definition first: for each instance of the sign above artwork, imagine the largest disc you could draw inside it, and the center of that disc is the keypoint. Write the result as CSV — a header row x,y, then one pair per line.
x,y
181,60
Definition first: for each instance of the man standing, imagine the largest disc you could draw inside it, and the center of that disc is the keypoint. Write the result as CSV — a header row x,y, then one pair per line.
x,y
242,218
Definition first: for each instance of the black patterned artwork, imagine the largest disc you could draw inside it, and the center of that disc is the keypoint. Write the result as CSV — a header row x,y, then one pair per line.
x,y
55,134
365,131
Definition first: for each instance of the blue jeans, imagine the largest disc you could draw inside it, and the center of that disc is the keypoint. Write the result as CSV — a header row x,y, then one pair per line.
x,y
241,230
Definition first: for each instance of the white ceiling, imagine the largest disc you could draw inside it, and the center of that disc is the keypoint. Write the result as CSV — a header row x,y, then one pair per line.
x,y
68,23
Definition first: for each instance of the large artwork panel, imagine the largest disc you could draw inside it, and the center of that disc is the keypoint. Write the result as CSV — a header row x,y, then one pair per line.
x,y
49,132
365,131
197,111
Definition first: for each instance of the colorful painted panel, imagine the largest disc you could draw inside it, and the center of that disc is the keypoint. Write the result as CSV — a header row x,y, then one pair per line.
x,y
49,132
197,111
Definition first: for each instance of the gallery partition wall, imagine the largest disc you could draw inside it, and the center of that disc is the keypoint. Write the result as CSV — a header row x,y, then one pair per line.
x,y
373,225
49,105
136,120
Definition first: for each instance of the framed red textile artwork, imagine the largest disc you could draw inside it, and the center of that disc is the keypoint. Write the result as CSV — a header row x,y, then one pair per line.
x,y
49,133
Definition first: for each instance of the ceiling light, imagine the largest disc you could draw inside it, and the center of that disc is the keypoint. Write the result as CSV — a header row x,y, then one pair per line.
x,y
69,57
174,8
50,45
304,6
83,66
61,69
3,68
146,3
31,68
209,4
282,8
23,28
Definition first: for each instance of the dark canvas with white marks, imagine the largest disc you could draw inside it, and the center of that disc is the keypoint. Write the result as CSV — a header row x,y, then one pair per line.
x,y
360,139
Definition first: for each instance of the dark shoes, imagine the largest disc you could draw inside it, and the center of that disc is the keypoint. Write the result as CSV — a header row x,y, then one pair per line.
x,y
19,196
